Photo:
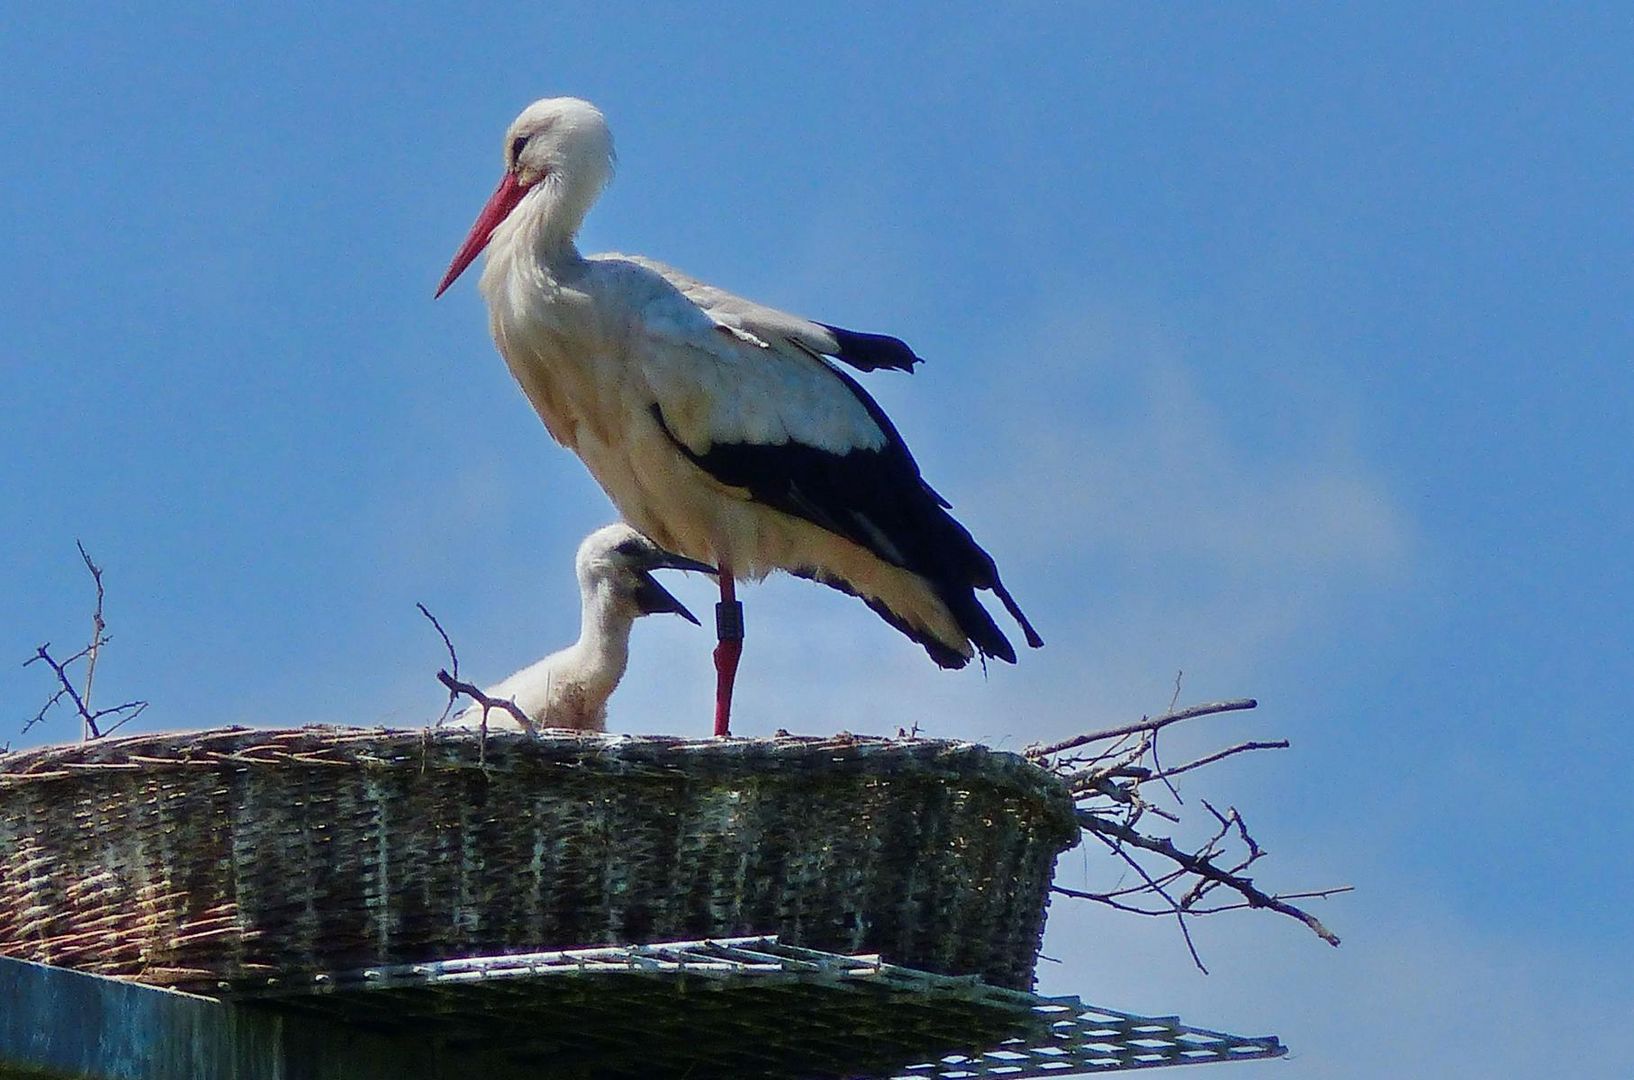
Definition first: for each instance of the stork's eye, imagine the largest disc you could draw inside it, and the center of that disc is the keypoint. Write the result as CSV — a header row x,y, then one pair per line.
x,y
516,148
629,548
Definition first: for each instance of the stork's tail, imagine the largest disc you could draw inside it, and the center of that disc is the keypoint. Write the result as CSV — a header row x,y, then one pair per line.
x,y
959,567
974,621
1033,640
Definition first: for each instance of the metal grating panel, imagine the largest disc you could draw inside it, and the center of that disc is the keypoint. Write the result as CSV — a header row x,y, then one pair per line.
x,y
1086,1039
746,1007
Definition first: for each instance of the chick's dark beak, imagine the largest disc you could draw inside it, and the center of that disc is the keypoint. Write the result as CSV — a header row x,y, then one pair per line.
x,y
652,598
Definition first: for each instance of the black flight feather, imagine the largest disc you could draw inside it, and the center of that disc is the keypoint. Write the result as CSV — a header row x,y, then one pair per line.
x,y
877,500
870,352
944,656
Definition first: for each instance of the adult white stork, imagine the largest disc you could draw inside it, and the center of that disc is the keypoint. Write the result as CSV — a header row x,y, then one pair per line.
x,y
722,429
570,688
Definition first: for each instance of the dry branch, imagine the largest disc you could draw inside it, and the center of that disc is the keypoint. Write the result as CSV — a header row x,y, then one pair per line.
x,y
1209,759
94,649
1105,771
1204,868
456,687
1143,724
89,726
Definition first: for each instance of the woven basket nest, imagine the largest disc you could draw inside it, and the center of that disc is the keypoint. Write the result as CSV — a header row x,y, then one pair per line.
x,y
212,859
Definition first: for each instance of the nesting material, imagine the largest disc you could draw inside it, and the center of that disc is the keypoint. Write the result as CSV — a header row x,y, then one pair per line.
x,y
239,856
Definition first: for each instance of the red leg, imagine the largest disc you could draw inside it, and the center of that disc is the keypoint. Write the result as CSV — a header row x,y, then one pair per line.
x,y
728,649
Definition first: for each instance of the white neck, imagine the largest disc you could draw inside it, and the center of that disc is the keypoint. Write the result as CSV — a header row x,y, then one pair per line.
x,y
603,649
543,225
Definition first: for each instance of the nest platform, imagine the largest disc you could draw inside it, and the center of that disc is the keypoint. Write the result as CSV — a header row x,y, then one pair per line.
x,y
752,1009
238,858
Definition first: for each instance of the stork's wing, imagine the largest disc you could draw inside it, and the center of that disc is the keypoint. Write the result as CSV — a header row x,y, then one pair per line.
x,y
865,352
726,371
752,402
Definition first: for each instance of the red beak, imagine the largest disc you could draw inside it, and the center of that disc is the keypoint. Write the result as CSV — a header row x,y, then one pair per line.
x,y
500,204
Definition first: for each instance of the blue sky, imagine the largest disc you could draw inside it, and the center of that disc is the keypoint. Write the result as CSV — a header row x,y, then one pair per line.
x,y
1285,345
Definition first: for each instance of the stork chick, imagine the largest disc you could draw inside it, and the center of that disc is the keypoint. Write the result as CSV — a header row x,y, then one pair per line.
x,y
570,688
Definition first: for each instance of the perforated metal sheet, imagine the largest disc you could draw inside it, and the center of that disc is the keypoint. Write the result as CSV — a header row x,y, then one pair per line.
x,y
747,1007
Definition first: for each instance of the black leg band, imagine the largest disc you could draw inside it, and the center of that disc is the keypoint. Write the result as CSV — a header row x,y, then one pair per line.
x,y
729,620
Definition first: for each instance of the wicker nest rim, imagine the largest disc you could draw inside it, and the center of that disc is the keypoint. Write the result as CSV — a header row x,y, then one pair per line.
x,y
325,745
199,857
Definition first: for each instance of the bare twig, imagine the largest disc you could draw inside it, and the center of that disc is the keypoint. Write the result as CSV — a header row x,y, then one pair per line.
x,y
86,652
127,712
1143,724
1161,890
1109,899
1105,771
1312,894
81,697
1157,763
136,709
1203,885
453,661
44,709
456,687
65,687
1209,759
1205,868
94,649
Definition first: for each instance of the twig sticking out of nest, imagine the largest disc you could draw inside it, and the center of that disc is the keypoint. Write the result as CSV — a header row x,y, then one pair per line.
x,y
90,722
1106,771
456,687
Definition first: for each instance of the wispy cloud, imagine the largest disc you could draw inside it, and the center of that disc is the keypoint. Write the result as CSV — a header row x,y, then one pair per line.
x,y
1134,458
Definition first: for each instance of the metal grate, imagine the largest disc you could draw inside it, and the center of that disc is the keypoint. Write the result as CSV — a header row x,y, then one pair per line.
x,y
1088,1039
746,1007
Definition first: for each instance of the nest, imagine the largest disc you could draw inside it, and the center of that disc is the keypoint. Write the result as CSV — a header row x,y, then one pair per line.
x,y
237,857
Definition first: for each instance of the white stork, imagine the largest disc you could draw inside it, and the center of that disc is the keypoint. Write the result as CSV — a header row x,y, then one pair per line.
x,y
570,688
722,429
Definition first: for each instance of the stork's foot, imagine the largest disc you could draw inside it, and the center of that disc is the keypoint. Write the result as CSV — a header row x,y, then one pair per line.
x,y
729,629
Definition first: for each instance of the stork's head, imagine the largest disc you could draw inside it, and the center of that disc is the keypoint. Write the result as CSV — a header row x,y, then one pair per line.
x,y
558,157
617,562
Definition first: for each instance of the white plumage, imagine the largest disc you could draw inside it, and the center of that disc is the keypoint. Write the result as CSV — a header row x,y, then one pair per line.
x,y
570,688
720,428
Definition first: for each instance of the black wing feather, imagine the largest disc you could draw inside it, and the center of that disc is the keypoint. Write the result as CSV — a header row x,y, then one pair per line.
x,y
870,352
944,656
877,500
